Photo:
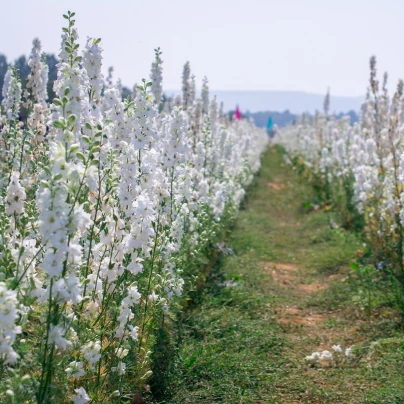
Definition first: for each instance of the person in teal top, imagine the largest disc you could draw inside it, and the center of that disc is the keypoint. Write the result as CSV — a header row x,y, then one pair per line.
x,y
270,127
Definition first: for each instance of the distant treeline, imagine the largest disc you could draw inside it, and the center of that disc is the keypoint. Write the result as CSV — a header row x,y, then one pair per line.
x,y
284,118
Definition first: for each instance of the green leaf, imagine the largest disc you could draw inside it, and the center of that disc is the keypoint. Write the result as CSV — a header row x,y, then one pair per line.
x,y
71,119
81,156
58,125
354,266
74,148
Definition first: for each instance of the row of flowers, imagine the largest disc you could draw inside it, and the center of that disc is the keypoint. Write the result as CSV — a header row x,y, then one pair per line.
x,y
359,170
106,208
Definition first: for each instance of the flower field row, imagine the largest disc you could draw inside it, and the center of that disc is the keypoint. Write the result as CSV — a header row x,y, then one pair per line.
x,y
107,209
359,170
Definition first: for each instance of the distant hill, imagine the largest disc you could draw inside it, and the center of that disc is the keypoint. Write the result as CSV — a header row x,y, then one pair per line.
x,y
296,102
278,118
284,118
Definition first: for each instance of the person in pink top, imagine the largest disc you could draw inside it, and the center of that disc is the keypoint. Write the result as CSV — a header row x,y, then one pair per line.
x,y
237,114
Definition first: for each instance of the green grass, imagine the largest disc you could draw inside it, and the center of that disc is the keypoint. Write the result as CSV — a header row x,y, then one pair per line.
x,y
239,345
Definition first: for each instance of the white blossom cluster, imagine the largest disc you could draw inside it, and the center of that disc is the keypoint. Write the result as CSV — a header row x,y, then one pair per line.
x,y
104,205
328,356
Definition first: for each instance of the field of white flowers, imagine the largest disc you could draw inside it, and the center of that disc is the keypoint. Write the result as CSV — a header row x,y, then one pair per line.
x,y
106,208
359,171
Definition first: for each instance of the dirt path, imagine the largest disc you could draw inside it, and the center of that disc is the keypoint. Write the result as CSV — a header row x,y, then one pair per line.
x,y
285,294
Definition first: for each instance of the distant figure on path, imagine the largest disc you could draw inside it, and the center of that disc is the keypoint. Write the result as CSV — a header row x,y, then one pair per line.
x,y
270,127
237,114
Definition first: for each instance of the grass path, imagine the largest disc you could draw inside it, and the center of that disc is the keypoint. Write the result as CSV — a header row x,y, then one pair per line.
x,y
286,293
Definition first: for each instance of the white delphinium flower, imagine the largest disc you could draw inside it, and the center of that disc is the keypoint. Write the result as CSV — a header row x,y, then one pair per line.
x,y
193,88
326,356
156,77
61,223
221,110
92,62
195,120
37,122
337,348
15,195
214,122
72,89
75,370
135,265
174,139
66,55
313,358
119,87
38,77
8,328
121,352
187,94
205,96
91,352
110,77
134,92
177,100
114,110
326,105
80,396
56,337
133,332
11,94
121,368
153,297
126,314
73,84
144,130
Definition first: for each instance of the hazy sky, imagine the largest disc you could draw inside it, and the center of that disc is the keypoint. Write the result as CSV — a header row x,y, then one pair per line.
x,y
247,45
